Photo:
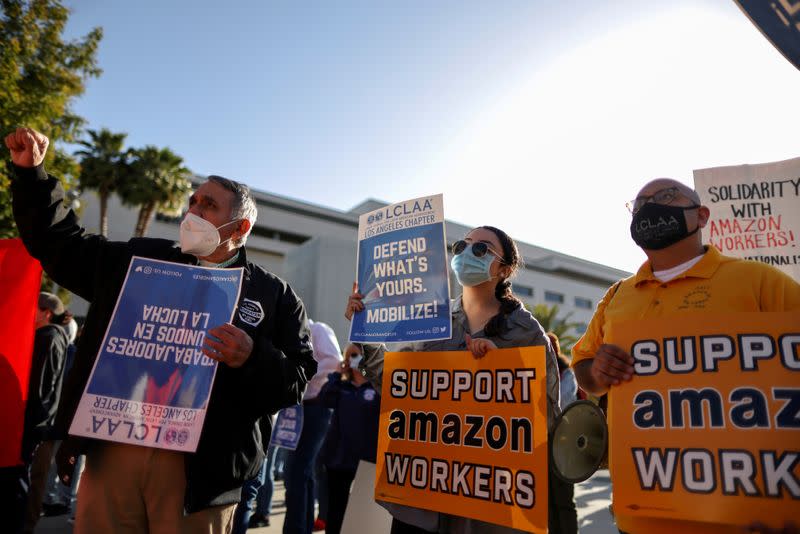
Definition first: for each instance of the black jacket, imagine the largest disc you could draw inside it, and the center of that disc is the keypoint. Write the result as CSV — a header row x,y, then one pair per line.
x,y
231,449
353,434
44,385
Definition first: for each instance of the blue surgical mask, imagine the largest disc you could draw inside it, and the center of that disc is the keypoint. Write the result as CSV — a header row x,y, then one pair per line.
x,y
471,270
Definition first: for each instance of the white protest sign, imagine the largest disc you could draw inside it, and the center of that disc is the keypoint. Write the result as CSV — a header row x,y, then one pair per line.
x,y
755,212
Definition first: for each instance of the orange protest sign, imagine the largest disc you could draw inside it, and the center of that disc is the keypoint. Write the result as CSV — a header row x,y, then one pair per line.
x,y
466,436
709,427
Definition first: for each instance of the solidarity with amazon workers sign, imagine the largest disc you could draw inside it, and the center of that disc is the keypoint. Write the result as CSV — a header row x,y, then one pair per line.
x,y
754,212
402,273
466,436
151,381
709,427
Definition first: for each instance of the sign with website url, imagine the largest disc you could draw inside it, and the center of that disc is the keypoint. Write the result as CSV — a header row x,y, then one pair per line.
x,y
151,381
402,273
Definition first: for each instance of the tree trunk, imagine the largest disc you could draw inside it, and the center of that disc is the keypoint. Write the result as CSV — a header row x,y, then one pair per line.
x,y
103,214
145,214
140,217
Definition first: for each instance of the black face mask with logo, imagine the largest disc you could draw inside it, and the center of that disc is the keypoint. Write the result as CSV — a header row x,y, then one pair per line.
x,y
656,226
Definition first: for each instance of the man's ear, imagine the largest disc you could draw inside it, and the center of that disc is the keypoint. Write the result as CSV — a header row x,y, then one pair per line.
x,y
703,214
243,228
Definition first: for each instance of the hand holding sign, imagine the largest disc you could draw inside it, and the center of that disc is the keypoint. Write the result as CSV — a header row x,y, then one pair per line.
x,y
354,303
479,346
611,366
27,147
233,348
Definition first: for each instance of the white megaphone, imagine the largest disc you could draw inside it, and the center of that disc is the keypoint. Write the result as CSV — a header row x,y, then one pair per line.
x,y
579,442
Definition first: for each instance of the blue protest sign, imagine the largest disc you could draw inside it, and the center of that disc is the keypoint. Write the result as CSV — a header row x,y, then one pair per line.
x,y
402,272
151,382
288,428
779,21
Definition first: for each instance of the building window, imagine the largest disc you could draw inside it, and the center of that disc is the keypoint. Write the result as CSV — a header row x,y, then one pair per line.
x,y
581,302
581,328
279,235
551,296
523,291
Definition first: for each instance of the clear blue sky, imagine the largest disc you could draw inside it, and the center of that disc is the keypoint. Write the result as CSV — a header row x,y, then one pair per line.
x,y
541,118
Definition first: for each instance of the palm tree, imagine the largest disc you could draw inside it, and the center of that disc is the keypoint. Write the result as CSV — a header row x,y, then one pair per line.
x,y
158,183
103,165
548,318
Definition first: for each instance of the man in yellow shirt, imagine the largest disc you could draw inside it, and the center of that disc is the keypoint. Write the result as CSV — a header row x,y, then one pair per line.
x,y
681,277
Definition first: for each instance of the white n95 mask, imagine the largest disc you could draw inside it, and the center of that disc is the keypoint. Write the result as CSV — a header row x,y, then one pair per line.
x,y
199,237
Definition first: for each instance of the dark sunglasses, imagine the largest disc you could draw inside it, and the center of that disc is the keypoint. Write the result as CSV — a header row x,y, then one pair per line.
x,y
479,249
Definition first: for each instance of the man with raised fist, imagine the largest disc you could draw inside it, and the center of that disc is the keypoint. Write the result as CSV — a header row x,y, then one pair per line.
x,y
264,356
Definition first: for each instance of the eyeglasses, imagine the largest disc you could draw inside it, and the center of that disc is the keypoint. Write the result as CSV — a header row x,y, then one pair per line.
x,y
479,249
664,196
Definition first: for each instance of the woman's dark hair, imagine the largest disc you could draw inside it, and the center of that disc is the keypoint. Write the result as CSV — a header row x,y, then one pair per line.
x,y
563,362
508,302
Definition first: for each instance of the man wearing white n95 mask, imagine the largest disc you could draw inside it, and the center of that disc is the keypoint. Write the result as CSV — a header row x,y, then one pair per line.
x,y
200,237
264,355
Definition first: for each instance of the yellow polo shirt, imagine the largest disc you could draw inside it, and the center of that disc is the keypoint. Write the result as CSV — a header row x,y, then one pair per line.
x,y
716,283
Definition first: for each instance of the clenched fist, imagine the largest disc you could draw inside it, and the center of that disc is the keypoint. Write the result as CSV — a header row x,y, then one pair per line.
x,y
27,147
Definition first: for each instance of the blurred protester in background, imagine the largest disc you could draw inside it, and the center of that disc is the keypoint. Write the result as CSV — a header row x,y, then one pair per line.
x,y
299,471
44,392
562,515
56,499
263,502
353,434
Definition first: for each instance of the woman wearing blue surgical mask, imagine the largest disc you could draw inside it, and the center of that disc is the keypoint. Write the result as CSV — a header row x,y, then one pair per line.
x,y
486,316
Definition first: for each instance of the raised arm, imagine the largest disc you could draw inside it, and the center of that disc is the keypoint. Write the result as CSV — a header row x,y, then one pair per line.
x,y
50,230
